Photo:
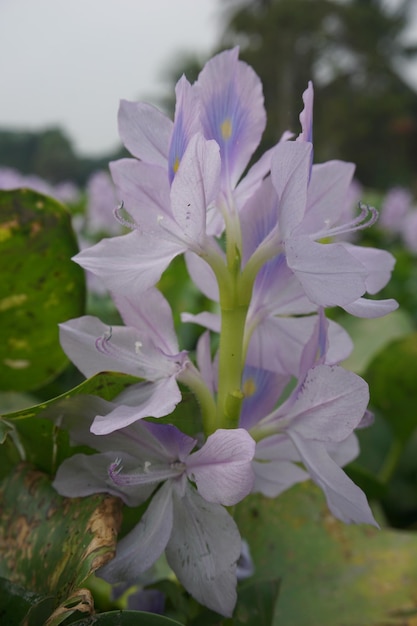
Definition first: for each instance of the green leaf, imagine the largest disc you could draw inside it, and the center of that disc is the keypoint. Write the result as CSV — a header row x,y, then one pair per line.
x,y
39,287
127,618
16,604
43,444
392,377
331,574
106,385
49,545
369,336
256,603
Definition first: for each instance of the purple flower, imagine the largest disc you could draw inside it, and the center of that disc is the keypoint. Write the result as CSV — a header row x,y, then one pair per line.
x,y
314,426
146,347
185,517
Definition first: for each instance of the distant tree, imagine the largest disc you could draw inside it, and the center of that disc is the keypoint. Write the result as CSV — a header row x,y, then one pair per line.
x,y
352,49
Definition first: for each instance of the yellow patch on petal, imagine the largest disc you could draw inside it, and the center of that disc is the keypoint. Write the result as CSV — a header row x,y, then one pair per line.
x,y
226,129
176,165
249,387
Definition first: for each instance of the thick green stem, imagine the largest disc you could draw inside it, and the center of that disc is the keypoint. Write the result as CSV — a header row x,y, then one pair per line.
x,y
230,396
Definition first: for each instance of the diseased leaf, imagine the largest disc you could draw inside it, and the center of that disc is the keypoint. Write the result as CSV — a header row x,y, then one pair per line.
x,y
39,287
49,545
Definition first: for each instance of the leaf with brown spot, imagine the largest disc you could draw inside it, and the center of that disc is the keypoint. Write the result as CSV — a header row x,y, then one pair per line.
x,y
49,545
40,286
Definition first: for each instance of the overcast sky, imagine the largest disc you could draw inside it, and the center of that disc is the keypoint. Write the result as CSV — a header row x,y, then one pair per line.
x,y
69,63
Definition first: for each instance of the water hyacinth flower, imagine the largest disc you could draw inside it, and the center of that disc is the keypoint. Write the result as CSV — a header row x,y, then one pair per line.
x,y
266,246
185,519
146,347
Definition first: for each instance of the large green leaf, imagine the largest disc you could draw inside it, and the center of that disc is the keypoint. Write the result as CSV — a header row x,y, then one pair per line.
x,y
331,574
49,545
39,287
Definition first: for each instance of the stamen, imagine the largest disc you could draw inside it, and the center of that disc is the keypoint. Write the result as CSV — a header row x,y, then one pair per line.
x,y
102,343
128,223
367,217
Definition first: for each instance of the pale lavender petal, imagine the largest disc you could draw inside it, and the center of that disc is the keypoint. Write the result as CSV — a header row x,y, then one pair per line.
x,y
208,320
379,264
326,197
202,276
84,475
262,389
253,179
151,400
345,500
290,173
145,131
232,112
150,312
203,550
274,477
329,275
195,187
329,405
363,307
276,466
186,123
340,344
277,343
258,218
306,115
144,190
344,452
136,552
222,468
79,339
278,291
204,362
131,262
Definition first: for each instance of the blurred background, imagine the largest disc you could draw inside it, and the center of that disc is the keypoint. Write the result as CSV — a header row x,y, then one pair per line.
x,y
64,67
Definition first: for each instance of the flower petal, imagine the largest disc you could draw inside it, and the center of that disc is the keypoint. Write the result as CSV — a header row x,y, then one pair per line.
x,y
233,111
330,276
130,262
203,550
145,131
138,550
150,400
222,468
345,500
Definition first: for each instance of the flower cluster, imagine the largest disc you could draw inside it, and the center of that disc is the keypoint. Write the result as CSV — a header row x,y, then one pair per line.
x,y
265,243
